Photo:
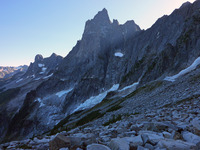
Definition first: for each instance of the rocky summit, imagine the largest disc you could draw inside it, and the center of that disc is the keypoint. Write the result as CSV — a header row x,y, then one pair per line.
x,y
119,88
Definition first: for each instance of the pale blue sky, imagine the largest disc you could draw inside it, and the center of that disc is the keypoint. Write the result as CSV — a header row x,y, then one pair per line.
x,y
30,27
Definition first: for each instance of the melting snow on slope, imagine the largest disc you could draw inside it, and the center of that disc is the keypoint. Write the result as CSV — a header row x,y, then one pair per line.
x,y
33,76
40,65
37,79
134,85
61,93
40,101
119,54
44,69
19,80
188,69
92,101
48,76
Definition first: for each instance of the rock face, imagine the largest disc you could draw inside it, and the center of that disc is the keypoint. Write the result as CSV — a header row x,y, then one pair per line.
x,y
97,147
18,95
43,66
108,60
58,142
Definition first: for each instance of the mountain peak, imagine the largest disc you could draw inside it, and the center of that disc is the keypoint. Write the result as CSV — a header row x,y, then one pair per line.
x,y
185,4
100,20
102,17
53,55
102,14
38,57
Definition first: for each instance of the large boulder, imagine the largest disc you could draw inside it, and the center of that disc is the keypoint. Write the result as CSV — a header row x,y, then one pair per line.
x,y
97,147
190,137
196,124
119,144
135,141
175,144
151,137
60,141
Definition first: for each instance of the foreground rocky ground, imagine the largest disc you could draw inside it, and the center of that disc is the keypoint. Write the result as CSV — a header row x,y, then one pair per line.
x,y
170,127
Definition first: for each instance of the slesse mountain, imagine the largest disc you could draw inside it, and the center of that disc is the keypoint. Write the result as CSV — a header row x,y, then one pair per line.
x,y
110,59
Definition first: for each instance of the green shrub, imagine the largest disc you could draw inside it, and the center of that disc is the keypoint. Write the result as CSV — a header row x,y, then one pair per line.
x,y
89,117
114,108
113,120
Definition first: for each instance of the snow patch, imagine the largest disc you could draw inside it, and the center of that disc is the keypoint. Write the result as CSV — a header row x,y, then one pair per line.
x,y
188,69
19,80
41,65
48,76
64,92
41,72
134,85
40,101
119,54
44,69
37,79
92,101
114,88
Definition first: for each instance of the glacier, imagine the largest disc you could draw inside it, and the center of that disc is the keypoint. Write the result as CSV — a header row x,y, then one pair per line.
x,y
94,100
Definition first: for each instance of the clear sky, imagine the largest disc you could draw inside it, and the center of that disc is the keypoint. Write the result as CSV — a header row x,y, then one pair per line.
x,y
30,27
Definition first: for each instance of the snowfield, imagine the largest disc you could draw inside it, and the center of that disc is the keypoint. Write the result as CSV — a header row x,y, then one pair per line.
x,y
64,92
48,76
41,65
134,85
188,69
92,101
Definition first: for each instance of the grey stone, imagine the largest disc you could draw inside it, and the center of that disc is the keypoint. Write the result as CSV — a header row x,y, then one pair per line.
x,y
142,148
149,146
137,140
97,147
60,141
153,137
190,137
175,144
119,144
166,134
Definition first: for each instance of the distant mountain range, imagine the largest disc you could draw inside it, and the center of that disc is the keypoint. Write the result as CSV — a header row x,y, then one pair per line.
x,y
110,61
6,72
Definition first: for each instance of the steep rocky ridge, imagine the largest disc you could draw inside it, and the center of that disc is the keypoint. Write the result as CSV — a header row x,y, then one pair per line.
x,y
15,90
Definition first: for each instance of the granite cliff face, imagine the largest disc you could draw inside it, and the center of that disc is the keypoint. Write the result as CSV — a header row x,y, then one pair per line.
x,y
110,61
